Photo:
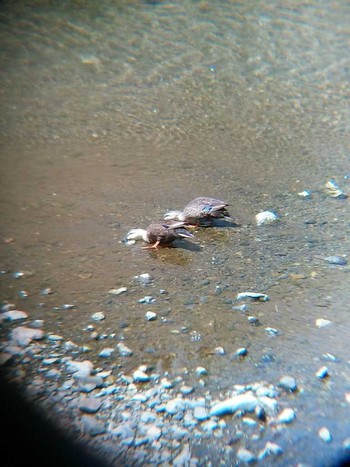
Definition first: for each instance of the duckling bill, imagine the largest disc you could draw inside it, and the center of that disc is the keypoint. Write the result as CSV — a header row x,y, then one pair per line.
x,y
202,211
159,234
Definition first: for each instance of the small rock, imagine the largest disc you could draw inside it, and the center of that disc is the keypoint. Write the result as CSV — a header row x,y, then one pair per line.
x,y
107,352
92,426
332,189
241,352
153,433
200,413
98,316
140,376
270,449
286,416
124,351
118,291
272,331
175,406
305,194
245,456
288,383
265,217
321,323
89,405
261,297
151,316
243,402
325,435
184,458
14,315
322,372
23,336
337,260
201,371
144,278
80,369
148,299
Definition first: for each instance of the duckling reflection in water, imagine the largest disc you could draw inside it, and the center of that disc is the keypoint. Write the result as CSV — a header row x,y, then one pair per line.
x,y
202,211
159,234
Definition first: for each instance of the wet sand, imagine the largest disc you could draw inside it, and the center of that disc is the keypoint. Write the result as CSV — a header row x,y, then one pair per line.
x,y
88,153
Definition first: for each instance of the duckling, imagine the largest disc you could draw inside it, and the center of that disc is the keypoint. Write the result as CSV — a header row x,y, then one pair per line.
x,y
160,233
201,212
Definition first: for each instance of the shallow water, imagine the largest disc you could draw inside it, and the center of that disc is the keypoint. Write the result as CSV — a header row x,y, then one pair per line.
x,y
113,114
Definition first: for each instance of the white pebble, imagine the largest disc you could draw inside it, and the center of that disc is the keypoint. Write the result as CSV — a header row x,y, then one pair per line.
x,y
322,372
244,402
265,217
99,316
124,351
200,371
118,291
321,323
175,405
245,456
200,413
140,376
325,435
286,416
154,432
151,316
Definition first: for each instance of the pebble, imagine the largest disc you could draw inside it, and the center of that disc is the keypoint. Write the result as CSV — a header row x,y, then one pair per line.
x,y
148,299
243,402
92,426
124,351
80,369
272,331
269,404
201,371
241,352
175,406
270,449
98,316
332,189
14,315
144,278
184,458
118,291
305,194
153,433
107,352
286,416
321,323
253,321
325,435
200,413
140,376
288,383
322,372
245,456
151,316
89,405
23,336
337,260
265,217
261,297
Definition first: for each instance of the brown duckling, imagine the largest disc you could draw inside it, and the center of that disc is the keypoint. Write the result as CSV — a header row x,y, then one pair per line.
x,y
201,212
160,233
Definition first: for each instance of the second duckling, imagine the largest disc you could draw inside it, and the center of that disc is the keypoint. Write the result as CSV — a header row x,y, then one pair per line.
x,y
202,211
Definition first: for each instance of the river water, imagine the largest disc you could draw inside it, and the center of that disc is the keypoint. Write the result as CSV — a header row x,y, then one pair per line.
x,y
115,112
